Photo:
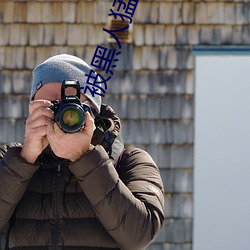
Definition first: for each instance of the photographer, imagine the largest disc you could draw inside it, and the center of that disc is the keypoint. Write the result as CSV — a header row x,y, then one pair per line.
x,y
76,189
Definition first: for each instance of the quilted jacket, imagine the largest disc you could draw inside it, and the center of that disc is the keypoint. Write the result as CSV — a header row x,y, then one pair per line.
x,y
102,201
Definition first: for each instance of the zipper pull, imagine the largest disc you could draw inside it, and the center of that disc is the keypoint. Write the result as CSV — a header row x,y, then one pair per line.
x,y
59,169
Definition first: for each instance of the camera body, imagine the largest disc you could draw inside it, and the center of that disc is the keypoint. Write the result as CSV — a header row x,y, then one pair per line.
x,y
70,112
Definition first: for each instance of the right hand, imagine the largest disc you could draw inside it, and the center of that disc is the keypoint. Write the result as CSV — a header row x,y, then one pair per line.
x,y
35,141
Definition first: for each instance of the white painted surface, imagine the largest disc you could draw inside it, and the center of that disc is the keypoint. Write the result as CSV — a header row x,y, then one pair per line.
x,y
222,153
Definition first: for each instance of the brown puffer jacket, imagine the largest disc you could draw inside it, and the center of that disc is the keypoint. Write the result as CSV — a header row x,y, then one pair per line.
x,y
94,203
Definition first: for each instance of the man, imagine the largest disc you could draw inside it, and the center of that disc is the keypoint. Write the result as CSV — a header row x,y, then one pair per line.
x,y
79,190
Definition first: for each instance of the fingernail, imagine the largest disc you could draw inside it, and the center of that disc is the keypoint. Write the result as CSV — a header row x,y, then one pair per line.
x,y
47,102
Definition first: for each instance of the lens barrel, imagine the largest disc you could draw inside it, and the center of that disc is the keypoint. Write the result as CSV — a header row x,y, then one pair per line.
x,y
70,117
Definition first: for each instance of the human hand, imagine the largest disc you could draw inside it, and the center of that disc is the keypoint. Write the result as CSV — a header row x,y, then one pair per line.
x,y
35,141
71,146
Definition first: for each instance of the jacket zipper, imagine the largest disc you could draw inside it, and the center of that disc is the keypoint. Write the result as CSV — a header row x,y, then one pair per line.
x,y
56,232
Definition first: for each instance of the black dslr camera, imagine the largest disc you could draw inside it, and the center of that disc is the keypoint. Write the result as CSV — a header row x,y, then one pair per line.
x,y
70,112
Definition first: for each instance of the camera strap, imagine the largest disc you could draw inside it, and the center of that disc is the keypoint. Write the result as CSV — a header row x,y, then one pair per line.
x,y
106,133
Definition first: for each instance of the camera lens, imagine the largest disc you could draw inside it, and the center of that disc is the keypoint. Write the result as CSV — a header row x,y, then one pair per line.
x,y
70,117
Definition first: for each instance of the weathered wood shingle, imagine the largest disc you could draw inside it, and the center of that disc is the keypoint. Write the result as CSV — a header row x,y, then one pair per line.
x,y
34,12
4,38
20,12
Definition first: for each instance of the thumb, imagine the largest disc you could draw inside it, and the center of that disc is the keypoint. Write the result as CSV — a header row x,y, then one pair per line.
x,y
50,129
89,124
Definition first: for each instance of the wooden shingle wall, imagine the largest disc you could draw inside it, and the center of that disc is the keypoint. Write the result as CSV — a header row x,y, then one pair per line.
x,y
152,88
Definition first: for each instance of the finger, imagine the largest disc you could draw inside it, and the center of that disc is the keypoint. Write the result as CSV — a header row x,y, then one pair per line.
x,y
54,133
38,103
41,111
38,122
50,130
37,132
58,131
89,124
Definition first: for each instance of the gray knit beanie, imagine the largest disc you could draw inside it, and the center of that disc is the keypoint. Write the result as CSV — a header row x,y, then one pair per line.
x,y
64,67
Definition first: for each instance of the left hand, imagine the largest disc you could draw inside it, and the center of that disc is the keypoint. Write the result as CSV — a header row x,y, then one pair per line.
x,y
71,146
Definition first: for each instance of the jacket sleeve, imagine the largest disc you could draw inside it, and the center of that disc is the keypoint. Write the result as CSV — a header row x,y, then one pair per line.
x,y
128,204
15,174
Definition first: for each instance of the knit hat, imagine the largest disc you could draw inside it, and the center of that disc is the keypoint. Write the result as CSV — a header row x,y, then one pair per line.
x,y
64,67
